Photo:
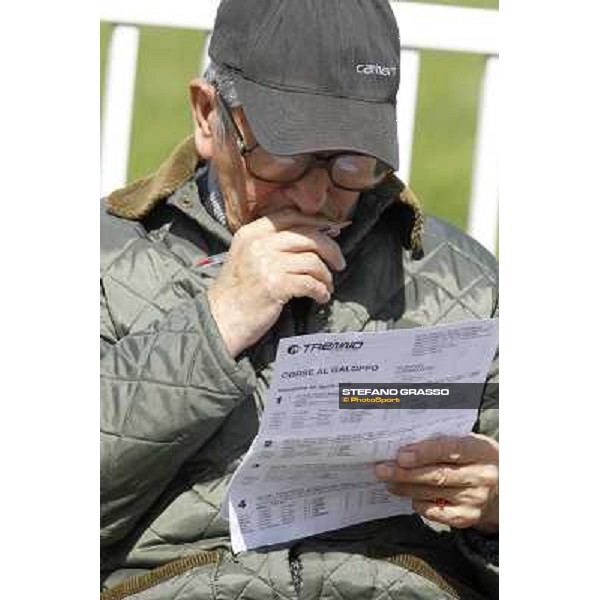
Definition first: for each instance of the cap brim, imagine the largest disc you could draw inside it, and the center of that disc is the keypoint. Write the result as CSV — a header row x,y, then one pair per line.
x,y
285,122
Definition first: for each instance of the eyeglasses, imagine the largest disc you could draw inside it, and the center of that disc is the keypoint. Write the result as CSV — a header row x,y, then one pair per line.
x,y
348,170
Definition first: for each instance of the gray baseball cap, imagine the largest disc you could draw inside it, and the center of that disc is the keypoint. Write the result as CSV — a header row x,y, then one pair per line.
x,y
314,75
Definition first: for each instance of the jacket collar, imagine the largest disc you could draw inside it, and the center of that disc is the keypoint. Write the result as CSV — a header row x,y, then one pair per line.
x,y
138,198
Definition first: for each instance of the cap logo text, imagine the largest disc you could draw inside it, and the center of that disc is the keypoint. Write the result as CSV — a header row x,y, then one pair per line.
x,y
376,70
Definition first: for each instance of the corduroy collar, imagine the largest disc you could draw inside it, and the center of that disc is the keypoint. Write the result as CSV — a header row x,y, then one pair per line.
x,y
138,198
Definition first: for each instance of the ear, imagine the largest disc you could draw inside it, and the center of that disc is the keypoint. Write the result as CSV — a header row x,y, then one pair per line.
x,y
202,101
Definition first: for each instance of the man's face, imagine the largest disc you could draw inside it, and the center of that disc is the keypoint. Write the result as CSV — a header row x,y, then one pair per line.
x,y
248,198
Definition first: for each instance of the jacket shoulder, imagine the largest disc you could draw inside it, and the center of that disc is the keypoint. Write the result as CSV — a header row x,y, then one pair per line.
x,y
441,236
116,233
456,279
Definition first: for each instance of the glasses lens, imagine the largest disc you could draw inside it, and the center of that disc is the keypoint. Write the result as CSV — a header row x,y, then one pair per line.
x,y
350,171
272,167
358,172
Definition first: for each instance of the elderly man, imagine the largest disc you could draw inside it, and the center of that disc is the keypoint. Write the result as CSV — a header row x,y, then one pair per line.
x,y
287,181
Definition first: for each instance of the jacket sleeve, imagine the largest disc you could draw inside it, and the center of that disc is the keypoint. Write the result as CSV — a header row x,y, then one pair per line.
x,y
483,551
167,381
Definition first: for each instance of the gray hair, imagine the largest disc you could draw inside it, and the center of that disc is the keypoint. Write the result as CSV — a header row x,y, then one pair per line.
x,y
222,79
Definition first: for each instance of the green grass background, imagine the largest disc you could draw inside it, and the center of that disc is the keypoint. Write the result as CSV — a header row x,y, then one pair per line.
x,y
445,122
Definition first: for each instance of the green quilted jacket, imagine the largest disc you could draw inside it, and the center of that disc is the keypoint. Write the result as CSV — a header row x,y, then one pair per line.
x,y
178,413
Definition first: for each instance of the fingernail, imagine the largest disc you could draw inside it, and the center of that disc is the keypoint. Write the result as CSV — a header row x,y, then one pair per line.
x,y
406,459
342,265
335,225
383,472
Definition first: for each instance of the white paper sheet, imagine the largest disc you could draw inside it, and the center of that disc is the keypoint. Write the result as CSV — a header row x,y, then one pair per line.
x,y
310,468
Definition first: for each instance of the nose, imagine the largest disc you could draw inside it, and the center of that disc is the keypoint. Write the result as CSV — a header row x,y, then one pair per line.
x,y
310,193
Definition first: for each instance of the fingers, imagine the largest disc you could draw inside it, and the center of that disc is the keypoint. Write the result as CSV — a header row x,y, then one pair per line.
x,y
307,240
287,218
440,475
453,450
308,263
461,507
299,286
477,497
454,516
462,471
290,231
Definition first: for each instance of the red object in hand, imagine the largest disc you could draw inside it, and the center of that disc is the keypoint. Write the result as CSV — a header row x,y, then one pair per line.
x,y
441,502
215,259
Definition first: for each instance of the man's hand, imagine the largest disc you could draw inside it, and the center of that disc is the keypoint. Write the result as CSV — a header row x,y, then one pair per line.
x,y
271,260
461,471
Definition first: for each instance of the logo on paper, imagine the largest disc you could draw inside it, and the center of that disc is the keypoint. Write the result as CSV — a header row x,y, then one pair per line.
x,y
294,349
330,346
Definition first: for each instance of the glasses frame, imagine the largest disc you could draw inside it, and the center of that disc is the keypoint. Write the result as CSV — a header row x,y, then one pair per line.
x,y
316,161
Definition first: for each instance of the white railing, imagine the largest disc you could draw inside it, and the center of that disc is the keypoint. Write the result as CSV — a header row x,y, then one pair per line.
x,y
422,27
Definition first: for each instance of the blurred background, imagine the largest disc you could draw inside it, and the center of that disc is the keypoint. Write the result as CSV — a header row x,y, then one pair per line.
x,y
445,121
